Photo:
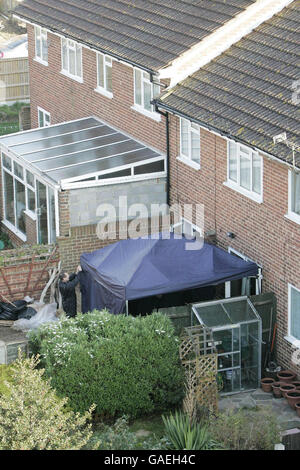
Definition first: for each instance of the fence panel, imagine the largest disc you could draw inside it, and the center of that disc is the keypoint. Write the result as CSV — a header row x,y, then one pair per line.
x,y
14,80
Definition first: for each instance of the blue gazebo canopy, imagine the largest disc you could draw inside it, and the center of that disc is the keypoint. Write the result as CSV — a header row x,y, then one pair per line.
x,y
138,268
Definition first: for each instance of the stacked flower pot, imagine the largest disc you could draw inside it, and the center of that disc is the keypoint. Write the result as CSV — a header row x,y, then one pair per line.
x,y
286,386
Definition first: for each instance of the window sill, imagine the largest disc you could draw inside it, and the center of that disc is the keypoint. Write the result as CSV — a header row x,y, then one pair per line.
x,y
293,217
188,162
254,197
104,92
40,61
13,229
295,342
73,77
152,115
31,214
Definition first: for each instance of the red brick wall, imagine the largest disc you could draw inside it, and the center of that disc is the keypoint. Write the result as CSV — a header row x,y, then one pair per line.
x,y
65,99
263,233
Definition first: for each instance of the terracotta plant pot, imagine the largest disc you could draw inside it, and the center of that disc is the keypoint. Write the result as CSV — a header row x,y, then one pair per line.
x,y
297,406
266,384
286,376
296,383
293,398
276,389
284,388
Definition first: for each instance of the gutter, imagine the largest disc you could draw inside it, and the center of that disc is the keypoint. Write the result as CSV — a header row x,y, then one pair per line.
x,y
218,132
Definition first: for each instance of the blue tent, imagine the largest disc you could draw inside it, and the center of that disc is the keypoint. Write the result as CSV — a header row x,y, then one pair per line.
x,y
138,268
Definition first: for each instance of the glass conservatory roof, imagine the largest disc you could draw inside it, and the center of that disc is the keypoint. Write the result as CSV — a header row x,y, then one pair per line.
x,y
87,148
225,312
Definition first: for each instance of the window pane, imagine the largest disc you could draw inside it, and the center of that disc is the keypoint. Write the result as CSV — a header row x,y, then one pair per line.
x,y
245,172
256,173
18,170
100,71
46,119
295,313
20,205
184,137
6,162
147,96
9,198
72,67
38,51
64,55
52,215
138,87
233,161
195,140
44,46
108,78
30,200
78,60
296,193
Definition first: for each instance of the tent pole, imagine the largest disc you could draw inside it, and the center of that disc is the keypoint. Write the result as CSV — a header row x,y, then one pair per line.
x,y
127,309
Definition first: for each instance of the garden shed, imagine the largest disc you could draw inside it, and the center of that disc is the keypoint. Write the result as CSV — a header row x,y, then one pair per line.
x,y
160,264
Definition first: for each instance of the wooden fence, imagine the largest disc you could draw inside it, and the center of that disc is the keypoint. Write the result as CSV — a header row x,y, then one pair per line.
x,y
14,80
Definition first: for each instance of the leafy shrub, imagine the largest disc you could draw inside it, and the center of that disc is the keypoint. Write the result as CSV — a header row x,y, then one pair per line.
x,y
246,430
185,434
5,376
119,437
34,418
125,365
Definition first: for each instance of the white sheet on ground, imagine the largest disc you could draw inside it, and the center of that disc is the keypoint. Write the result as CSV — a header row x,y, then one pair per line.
x,y
46,314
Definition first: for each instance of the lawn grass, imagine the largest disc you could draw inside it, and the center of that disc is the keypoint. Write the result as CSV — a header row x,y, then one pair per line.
x,y
152,424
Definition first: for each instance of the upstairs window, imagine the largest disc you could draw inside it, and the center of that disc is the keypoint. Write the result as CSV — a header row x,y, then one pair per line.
x,y
190,143
294,196
71,58
41,45
144,92
245,170
104,74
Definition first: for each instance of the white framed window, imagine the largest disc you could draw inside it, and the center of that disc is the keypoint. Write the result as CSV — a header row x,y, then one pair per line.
x,y
41,45
294,196
245,171
71,58
44,118
104,75
190,143
294,314
246,286
144,92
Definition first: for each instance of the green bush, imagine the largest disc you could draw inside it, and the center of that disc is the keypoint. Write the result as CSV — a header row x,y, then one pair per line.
x,y
34,418
125,365
6,376
246,429
184,434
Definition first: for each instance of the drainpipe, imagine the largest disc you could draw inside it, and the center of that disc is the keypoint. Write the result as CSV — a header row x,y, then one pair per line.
x,y
166,115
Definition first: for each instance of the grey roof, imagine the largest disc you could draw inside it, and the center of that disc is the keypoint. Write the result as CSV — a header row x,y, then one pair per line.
x,y
148,33
247,91
79,149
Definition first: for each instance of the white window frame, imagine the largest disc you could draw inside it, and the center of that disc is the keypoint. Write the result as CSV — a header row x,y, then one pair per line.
x,y
40,35
71,45
145,78
258,285
44,113
27,211
236,185
193,129
290,338
291,214
107,63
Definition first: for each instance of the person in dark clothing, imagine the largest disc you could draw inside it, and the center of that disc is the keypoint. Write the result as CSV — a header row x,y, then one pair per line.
x,y
67,284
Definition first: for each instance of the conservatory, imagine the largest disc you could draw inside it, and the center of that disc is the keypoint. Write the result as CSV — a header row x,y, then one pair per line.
x,y
236,327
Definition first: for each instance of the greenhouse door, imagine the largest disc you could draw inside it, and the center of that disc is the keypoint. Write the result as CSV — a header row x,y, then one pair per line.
x,y
228,343
42,212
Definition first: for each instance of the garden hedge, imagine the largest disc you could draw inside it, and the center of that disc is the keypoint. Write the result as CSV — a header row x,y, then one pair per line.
x,y
125,365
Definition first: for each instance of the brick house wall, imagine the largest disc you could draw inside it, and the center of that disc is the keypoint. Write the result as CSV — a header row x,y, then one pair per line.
x,y
262,231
